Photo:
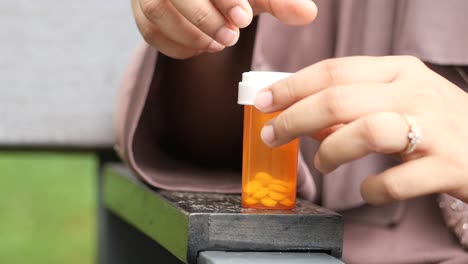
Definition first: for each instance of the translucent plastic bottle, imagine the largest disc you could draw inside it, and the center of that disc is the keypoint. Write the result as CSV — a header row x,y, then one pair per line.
x,y
268,174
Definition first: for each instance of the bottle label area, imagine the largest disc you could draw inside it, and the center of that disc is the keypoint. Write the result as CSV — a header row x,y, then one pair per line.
x,y
268,174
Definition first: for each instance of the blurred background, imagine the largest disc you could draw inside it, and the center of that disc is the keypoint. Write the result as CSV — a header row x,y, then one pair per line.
x,y
61,63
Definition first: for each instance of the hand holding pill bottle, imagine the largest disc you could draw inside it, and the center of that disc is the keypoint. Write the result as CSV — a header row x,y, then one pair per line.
x,y
268,174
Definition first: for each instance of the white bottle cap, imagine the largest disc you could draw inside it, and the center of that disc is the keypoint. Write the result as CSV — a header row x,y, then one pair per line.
x,y
254,81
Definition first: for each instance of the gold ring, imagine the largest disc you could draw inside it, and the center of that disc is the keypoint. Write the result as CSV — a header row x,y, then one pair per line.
x,y
414,134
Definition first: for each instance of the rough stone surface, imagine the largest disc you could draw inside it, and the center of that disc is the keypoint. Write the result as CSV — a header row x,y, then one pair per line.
x,y
230,203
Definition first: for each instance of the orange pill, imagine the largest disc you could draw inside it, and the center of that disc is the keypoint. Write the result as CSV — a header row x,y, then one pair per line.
x,y
262,192
250,201
263,177
287,202
280,182
266,201
277,188
276,196
252,187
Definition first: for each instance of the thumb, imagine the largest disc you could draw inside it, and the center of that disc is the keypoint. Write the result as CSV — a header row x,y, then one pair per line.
x,y
291,12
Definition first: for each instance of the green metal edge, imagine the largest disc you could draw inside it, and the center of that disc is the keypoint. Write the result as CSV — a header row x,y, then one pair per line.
x,y
148,212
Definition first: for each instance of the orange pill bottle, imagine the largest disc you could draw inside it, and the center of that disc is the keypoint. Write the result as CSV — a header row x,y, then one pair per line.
x,y
268,174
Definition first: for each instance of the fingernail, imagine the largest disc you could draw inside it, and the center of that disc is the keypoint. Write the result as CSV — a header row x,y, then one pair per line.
x,y
226,36
319,166
263,100
268,135
239,17
215,46
317,163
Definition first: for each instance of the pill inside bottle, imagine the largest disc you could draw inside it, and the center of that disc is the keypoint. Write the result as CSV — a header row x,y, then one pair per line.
x,y
268,174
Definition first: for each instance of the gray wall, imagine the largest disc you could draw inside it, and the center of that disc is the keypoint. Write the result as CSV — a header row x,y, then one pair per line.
x,y
61,63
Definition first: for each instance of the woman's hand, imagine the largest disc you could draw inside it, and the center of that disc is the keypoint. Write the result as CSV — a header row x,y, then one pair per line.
x,y
362,105
182,29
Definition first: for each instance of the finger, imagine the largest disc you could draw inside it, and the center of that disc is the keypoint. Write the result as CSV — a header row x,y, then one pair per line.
x,y
324,133
411,179
336,105
328,73
204,15
238,12
173,25
385,132
291,12
153,36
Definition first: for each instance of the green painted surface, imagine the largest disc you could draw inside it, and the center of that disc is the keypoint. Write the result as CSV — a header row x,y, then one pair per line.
x,y
148,212
47,207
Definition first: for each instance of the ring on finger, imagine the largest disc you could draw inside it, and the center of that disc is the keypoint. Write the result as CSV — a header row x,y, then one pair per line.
x,y
414,134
